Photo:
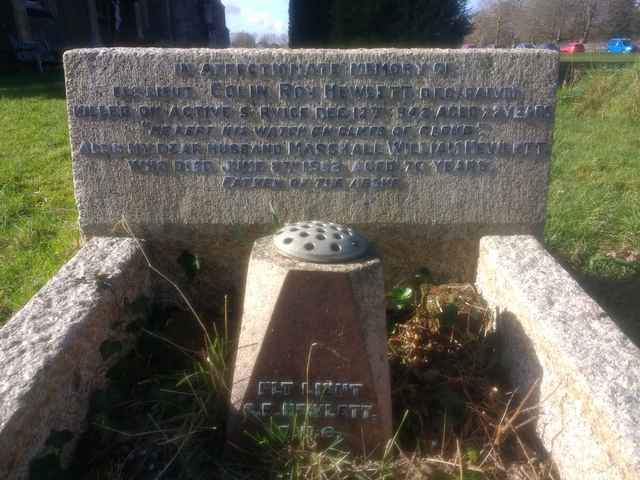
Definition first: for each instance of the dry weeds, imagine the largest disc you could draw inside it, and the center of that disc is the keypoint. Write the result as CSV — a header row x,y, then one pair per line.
x,y
463,419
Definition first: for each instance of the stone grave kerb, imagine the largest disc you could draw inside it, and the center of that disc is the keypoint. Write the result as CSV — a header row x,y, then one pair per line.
x,y
590,367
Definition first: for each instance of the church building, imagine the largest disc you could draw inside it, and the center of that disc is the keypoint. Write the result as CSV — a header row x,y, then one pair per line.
x,y
57,25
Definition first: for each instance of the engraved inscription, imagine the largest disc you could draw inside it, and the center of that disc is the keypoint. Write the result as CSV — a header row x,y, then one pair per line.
x,y
364,126
318,401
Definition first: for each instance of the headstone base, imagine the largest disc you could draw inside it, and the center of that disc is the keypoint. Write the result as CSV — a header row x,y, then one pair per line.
x,y
312,352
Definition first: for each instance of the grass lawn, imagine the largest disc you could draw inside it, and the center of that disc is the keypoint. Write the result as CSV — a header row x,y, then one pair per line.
x,y
594,201
594,204
37,211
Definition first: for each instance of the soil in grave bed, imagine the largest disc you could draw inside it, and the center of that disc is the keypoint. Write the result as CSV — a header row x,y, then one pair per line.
x,y
164,411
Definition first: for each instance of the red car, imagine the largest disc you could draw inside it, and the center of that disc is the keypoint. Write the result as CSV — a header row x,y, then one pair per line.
x,y
572,47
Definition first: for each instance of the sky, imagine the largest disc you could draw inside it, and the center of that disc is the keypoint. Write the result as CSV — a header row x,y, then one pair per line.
x,y
263,16
257,16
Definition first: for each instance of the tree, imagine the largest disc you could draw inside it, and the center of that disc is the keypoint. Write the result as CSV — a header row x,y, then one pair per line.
x,y
620,20
309,23
370,23
272,40
589,12
546,20
557,20
243,40
496,24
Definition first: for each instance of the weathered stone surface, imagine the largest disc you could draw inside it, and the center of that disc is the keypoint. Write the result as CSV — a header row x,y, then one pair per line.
x,y
150,139
589,371
55,351
313,334
224,252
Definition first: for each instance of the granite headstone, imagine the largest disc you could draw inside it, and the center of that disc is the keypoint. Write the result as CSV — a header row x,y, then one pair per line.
x,y
202,151
227,137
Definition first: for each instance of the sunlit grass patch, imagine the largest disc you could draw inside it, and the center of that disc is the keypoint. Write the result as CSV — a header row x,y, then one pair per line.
x,y
37,211
594,197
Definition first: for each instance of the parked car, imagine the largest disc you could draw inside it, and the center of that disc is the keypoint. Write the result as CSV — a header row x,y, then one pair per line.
x,y
572,47
549,46
526,45
620,45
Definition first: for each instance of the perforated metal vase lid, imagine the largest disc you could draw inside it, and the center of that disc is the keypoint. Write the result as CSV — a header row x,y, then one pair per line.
x,y
320,242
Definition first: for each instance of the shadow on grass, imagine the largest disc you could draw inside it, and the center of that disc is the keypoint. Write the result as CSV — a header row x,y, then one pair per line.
x,y
620,298
24,84
573,71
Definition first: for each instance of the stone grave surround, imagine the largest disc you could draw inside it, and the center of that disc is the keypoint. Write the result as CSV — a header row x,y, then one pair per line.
x,y
440,157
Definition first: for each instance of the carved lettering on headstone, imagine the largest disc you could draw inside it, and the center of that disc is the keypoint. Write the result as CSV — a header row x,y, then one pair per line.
x,y
465,131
